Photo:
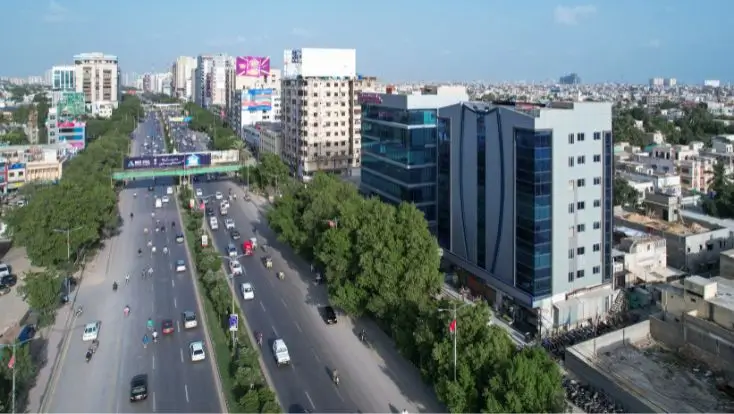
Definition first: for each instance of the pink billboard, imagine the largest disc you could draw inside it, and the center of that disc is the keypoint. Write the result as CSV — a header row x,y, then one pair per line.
x,y
71,124
253,66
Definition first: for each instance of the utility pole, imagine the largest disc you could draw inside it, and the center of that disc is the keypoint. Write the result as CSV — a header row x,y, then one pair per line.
x,y
68,239
454,311
14,361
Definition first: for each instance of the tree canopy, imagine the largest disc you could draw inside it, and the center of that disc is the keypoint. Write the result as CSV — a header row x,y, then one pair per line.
x,y
14,137
719,202
160,98
624,193
381,261
84,201
202,120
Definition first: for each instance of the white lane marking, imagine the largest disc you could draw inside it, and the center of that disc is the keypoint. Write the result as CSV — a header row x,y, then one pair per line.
x,y
175,305
340,395
298,326
178,326
262,306
315,355
153,362
173,283
154,410
274,331
283,302
170,266
181,349
310,400
186,389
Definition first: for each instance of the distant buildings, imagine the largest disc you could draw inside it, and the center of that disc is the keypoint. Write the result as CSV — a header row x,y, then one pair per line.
x,y
570,79
712,83
182,77
98,78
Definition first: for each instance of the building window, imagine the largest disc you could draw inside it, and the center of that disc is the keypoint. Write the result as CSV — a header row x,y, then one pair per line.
x,y
597,225
596,247
597,157
481,194
570,276
597,180
579,274
580,205
570,161
443,175
580,228
580,251
571,138
581,160
570,207
580,137
597,203
597,270
597,136
580,182
570,253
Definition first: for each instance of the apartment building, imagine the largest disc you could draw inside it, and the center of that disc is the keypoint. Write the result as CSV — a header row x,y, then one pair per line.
x,y
321,113
218,80
253,93
98,76
399,145
63,80
526,205
202,77
182,74
264,137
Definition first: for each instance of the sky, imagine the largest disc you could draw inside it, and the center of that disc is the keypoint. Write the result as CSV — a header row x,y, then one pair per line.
x,y
396,40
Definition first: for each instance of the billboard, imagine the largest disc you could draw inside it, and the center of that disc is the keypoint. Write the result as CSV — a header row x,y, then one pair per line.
x,y
71,124
225,157
313,62
253,66
71,104
16,166
257,100
370,98
185,160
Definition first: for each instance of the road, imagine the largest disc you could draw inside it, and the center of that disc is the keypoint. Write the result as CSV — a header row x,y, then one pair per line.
x,y
103,385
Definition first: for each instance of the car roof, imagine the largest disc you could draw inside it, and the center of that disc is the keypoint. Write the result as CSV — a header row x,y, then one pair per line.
x,y
279,342
197,345
179,261
249,285
90,325
189,313
139,379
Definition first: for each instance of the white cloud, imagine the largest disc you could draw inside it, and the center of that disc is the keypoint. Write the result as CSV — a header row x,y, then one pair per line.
x,y
571,15
654,44
300,32
55,13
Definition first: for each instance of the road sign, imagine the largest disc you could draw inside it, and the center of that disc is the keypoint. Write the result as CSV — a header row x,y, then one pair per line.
x,y
233,322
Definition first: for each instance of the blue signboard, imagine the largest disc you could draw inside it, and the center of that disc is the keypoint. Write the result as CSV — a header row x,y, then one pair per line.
x,y
16,166
185,160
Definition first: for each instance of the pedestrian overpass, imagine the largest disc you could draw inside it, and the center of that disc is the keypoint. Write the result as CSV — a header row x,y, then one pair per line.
x,y
126,175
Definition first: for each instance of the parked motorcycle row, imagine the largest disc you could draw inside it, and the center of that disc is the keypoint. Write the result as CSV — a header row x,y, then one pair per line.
x,y
556,345
585,398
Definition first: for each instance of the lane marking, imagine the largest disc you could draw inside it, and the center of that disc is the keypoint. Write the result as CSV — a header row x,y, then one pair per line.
x,y
178,326
154,409
298,327
170,266
181,350
175,305
173,283
315,355
274,331
339,394
313,407
262,306
153,362
186,389
283,302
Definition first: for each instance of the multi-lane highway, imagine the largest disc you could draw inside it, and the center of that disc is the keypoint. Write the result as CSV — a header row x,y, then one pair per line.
x,y
374,378
103,385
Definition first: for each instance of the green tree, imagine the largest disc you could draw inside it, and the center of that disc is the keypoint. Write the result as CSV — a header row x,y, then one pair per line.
x,y
624,130
42,290
15,137
21,114
271,170
250,402
267,401
719,202
624,193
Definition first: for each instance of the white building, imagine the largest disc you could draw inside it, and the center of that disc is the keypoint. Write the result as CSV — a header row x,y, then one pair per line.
x,y
218,80
182,73
98,77
253,99
321,115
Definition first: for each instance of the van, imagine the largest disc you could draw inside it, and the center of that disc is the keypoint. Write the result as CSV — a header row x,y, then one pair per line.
x,y
169,190
213,223
158,203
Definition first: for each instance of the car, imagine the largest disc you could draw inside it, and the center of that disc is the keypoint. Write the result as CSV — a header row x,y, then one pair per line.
x,y
180,265
231,250
169,190
189,320
8,280
235,267
210,212
151,188
26,333
228,223
180,238
139,388
4,270
167,327
91,331
330,315
165,199
280,352
199,193
218,195
234,234
247,292
196,350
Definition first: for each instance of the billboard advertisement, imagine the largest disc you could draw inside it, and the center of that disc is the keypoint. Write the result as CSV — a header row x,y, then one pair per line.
x,y
257,100
225,157
314,62
16,166
184,160
71,104
253,66
71,124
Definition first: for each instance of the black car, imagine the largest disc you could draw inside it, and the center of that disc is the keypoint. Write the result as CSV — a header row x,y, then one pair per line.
x,y
209,211
139,388
329,315
234,234
151,188
9,280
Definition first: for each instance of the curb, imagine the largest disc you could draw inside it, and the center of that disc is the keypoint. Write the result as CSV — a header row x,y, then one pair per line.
x,y
202,313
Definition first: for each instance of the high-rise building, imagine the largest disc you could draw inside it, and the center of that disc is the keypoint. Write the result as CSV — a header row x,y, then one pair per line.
x,y
147,83
670,82
526,205
182,72
202,76
253,92
321,115
570,79
399,145
98,77
655,82
63,79
218,80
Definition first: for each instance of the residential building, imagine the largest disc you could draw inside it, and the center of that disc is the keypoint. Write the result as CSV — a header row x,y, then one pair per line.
x,y
321,114
252,98
63,79
657,82
570,79
20,164
182,72
98,76
726,264
202,80
399,144
64,130
670,82
31,127
218,80
645,258
147,83
526,205
264,137
705,299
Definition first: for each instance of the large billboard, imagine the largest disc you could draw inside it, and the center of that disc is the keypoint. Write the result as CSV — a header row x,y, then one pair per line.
x,y
71,104
183,160
312,62
225,157
253,66
257,100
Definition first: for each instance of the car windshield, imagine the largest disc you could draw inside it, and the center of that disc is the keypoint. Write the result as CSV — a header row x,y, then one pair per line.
x,y
190,317
89,329
138,389
180,262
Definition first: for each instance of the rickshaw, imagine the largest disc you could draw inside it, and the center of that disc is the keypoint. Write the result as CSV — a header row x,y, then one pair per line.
x,y
281,275
269,262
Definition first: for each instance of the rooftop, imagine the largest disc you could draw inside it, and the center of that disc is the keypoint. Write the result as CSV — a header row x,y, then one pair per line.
x,y
724,293
680,229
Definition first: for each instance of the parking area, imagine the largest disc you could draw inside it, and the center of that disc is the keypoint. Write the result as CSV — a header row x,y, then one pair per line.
x,y
13,308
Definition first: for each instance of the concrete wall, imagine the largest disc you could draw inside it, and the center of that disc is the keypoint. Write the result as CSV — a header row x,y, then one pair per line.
x,y
578,361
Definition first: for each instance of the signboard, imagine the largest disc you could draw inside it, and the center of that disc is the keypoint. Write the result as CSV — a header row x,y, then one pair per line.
x,y
370,98
71,104
204,240
257,100
234,320
71,124
17,166
253,66
176,119
185,160
225,157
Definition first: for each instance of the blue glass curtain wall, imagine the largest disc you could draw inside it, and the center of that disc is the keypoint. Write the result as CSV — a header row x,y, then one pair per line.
x,y
608,207
443,167
425,194
400,116
416,175
481,194
534,219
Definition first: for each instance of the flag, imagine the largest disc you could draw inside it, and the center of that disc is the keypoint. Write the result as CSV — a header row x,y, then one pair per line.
x,y
452,326
11,363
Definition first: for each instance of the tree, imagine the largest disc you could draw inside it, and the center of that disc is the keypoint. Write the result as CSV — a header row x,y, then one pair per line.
x,y
719,202
202,120
42,290
250,402
271,170
15,137
624,193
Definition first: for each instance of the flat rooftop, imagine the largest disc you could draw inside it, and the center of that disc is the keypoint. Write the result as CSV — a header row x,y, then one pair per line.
x,y
679,229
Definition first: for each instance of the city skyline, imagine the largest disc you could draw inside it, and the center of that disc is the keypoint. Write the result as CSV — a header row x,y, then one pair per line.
x,y
533,42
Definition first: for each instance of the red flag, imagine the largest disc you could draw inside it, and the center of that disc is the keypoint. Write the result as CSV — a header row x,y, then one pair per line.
x,y
11,363
452,326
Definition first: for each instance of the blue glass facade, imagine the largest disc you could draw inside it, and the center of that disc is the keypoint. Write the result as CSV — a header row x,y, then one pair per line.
x,y
608,207
481,194
399,156
443,173
534,220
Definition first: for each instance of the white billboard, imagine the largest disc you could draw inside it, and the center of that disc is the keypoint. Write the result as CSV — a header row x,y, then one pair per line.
x,y
225,157
313,62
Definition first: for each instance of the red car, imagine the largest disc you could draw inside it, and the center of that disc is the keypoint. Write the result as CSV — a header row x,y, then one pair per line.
x,y
167,327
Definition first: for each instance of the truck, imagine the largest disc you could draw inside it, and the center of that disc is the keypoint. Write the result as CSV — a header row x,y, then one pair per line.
x,y
214,223
280,351
158,202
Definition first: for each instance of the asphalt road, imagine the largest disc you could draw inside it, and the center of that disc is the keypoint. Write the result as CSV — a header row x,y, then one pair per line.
x,y
103,385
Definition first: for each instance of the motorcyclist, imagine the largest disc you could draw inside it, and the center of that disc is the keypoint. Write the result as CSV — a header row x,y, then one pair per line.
x,y
114,286
155,336
165,250
259,338
127,278
173,224
135,195
362,335
150,324
131,215
150,270
126,310
146,341
89,354
335,376
140,252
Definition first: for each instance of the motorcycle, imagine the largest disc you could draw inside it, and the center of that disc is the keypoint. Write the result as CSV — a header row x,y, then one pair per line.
x,y
363,336
114,286
78,312
89,355
260,339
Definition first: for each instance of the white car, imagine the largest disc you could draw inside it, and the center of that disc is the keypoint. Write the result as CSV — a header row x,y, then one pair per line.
x,y
180,266
4,270
196,350
231,250
165,199
280,351
169,190
218,195
190,320
228,223
235,267
247,292
199,193
91,331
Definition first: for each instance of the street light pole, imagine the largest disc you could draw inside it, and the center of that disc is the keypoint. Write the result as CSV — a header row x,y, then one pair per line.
x,y
68,239
234,337
454,310
13,348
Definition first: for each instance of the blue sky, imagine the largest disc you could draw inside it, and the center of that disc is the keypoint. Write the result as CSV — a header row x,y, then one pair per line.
x,y
493,40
